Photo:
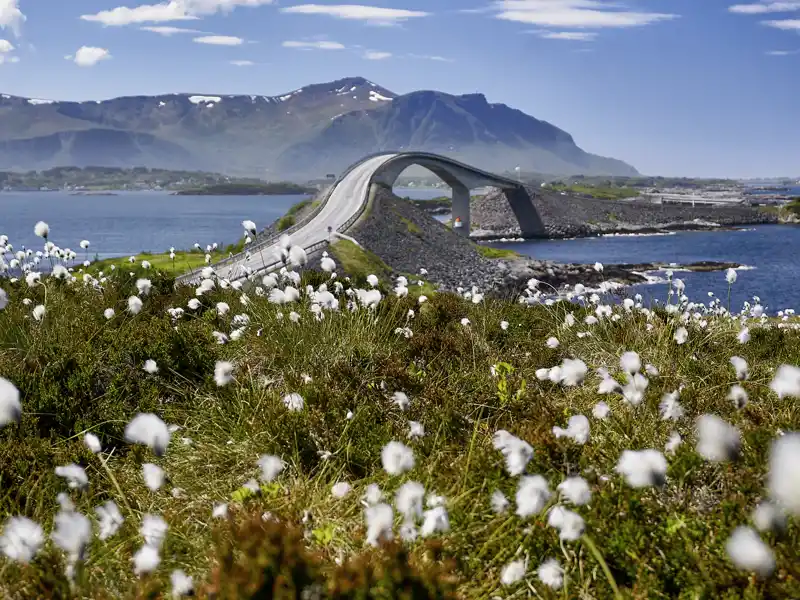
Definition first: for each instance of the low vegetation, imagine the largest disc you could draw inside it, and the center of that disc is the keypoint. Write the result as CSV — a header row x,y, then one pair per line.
x,y
490,252
246,189
600,192
355,441
174,263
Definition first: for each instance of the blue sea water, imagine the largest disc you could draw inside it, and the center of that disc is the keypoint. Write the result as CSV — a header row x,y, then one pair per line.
x,y
769,252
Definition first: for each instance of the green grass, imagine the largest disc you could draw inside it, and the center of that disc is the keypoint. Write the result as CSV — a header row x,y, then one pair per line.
x,y
600,192
357,261
184,261
78,372
285,222
489,252
411,226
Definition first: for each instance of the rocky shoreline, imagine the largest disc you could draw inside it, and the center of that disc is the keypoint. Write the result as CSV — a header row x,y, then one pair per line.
x,y
406,238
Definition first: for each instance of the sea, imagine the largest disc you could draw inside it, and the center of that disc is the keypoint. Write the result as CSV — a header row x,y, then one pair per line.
x,y
133,222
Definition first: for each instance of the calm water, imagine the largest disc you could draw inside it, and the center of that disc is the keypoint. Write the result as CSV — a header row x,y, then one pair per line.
x,y
770,249
134,222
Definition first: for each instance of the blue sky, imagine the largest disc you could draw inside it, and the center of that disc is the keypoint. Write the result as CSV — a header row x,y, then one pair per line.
x,y
675,87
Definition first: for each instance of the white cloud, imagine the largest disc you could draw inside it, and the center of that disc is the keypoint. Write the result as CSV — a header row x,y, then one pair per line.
x,y
11,16
760,8
588,14
173,10
431,57
8,59
88,56
242,63
375,55
371,14
785,24
167,30
782,52
314,45
219,40
6,46
573,36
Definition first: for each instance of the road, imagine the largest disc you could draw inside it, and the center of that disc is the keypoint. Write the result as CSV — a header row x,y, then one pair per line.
x,y
344,201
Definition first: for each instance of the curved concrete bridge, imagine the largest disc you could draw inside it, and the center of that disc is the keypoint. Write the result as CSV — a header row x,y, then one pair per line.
x,y
344,203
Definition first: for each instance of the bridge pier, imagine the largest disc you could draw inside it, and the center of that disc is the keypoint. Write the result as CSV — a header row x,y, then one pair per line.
x,y
461,222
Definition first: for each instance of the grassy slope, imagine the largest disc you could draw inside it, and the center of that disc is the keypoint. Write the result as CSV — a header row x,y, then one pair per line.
x,y
78,372
601,192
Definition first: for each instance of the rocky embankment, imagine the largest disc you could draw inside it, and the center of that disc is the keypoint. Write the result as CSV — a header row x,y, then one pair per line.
x,y
406,238
569,216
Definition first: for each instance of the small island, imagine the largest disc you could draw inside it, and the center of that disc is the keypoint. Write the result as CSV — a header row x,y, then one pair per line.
x,y
247,189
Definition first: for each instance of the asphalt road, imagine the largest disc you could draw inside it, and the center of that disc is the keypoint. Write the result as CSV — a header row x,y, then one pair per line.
x,y
345,200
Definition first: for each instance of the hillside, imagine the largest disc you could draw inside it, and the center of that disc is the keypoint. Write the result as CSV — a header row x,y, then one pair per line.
x,y
307,133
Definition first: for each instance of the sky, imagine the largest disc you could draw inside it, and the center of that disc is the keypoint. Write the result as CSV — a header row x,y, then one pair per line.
x,y
674,87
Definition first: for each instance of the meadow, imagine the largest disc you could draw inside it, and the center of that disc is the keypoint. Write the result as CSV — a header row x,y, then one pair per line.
x,y
311,435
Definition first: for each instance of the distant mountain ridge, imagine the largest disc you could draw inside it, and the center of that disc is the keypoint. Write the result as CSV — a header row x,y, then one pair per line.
x,y
317,129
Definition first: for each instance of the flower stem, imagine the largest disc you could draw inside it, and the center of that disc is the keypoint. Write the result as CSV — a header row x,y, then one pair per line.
x,y
603,565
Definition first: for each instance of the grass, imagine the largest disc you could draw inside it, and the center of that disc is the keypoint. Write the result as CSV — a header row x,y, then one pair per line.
x,y
357,261
184,261
600,192
78,372
490,252
410,226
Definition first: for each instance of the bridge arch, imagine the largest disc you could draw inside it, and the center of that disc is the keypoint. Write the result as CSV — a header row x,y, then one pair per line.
x,y
462,178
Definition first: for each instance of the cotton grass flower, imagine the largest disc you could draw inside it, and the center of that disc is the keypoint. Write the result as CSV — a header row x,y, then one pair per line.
x,y
72,532
109,519
577,429
681,335
532,495
397,458
748,552
499,502
10,406
75,475
576,490
573,372
717,440
146,560
182,584
741,368
3,299
21,540
402,400
341,489
630,362
743,336
786,382
783,481
435,520
39,312
601,410
149,430
513,572
109,314
551,574
271,466
553,343
293,402
738,395
144,286
134,305
643,468
150,366
768,516
570,524
153,476
380,520
41,229
223,373
517,452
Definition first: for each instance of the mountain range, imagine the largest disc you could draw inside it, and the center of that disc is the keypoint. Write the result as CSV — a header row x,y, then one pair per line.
x,y
308,133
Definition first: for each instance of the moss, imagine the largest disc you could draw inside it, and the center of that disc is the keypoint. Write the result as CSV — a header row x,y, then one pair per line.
x,y
411,226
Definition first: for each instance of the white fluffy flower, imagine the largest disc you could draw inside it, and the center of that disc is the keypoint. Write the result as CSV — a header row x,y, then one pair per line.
x,y
553,343
144,286
150,366
681,335
435,520
401,400
784,476
499,502
146,560
153,476
92,442
271,466
21,540
601,410
10,407
223,373
150,430
109,313
740,366
293,402
72,532
39,312
642,468
397,458
630,362
380,519
41,229
408,500
573,372
717,440
182,584
341,489
517,452
570,524
786,382
551,574
576,490
109,519
748,552
738,395
513,572
577,429
75,475
768,516
153,530
532,495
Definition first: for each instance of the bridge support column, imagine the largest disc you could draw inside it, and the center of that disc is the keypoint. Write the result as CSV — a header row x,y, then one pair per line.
x,y
461,222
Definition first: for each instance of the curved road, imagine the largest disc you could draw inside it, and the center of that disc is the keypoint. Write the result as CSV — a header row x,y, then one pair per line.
x,y
344,201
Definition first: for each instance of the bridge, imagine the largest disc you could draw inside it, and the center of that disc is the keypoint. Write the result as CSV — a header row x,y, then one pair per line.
x,y
345,201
